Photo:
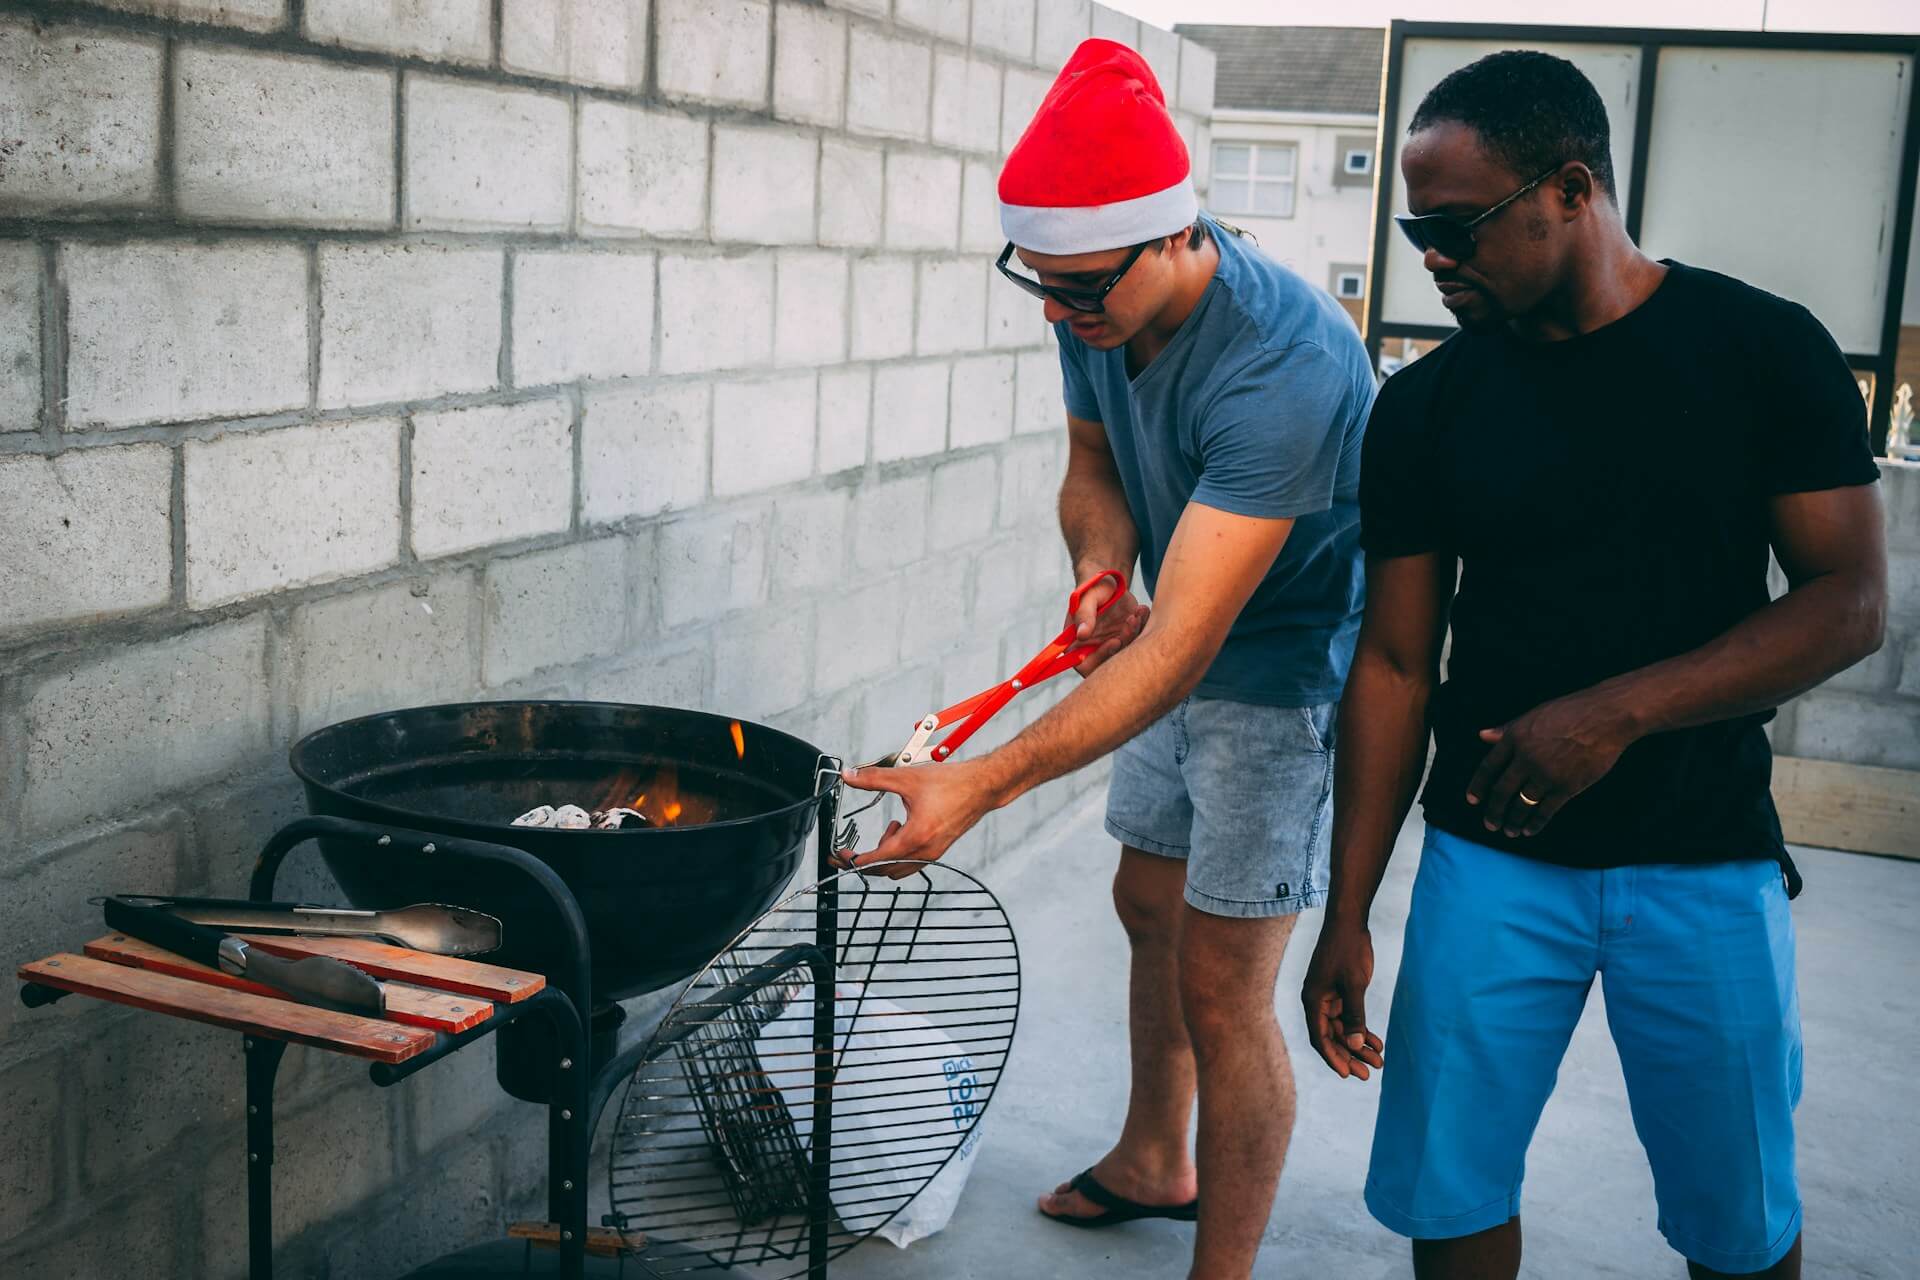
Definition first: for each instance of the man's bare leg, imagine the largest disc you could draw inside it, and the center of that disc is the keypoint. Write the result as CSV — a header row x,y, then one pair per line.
x,y
1493,1254
1150,1163
1227,971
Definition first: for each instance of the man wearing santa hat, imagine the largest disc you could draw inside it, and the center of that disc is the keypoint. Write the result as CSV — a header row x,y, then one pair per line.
x,y
1215,404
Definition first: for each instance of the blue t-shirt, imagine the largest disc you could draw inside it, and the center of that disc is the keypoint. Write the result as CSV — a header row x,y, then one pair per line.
x,y
1256,407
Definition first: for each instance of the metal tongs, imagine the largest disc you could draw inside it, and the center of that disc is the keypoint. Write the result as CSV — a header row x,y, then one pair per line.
x,y
1061,655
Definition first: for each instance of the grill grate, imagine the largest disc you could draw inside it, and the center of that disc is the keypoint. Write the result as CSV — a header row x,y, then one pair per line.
x,y
764,1120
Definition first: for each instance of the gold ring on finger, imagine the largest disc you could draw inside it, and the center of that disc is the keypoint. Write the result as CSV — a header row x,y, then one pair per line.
x,y
1528,800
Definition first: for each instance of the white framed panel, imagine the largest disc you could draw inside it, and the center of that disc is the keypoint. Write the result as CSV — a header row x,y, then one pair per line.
x,y
1781,167
1406,291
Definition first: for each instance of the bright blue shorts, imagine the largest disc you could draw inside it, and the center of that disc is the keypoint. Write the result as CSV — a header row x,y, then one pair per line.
x,y
1696,963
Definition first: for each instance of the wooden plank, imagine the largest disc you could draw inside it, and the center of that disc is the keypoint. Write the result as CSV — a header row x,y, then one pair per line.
x,y
1855,807
423,968
602,1242
414,1006
236,1010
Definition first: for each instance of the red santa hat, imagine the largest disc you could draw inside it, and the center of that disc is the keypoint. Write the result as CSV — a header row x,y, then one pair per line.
x,y
1102,165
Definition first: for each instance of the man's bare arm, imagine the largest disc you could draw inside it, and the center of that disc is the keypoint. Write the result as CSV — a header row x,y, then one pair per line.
x,y
1094,517
1383,751
1213,563
1832,544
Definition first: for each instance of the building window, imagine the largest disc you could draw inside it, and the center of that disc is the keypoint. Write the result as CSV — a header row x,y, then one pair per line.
x,y
1346,280
1254,179
1358,162
1353,160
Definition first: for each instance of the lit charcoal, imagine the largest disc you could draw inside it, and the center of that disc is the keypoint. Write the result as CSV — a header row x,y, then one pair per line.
x,y
571,817
615,819
541,817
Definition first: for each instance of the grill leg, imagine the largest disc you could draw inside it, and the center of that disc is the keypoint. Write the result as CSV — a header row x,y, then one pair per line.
x,y
826,938
263,1064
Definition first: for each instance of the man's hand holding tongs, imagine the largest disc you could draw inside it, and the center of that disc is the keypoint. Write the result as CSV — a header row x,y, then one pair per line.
x,y
944,803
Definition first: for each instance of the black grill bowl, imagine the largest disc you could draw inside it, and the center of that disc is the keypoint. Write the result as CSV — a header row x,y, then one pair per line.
x,y
659,902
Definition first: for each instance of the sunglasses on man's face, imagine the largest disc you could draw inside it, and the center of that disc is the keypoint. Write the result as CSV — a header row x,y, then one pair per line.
x,y
1453,237
1092,300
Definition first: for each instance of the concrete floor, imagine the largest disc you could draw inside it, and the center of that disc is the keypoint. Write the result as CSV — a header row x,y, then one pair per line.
x,y
1589,1196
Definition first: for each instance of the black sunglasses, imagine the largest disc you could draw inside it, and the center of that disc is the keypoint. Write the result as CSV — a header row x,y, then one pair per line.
x,y
1452,236
1093,301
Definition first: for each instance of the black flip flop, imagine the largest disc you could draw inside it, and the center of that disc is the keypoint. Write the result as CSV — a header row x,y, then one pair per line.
x,y
1118,1208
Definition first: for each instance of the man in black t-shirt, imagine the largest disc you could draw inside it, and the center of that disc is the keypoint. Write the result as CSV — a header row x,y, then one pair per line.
x,y
1585,483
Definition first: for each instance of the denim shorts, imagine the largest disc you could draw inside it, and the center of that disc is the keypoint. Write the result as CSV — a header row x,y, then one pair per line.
x,y
1243,793
1696,963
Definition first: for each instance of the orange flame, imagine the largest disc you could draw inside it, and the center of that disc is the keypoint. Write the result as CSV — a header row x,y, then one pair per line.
x,y
739,740
657,797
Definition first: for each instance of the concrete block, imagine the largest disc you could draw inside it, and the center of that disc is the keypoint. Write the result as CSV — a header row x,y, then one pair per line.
x,y
661,679
923,198
810,318
581,315
490,474
982,401
1015,318
552,608
1161,49
809,64
924,632
763,185
1900,496
1004,26
850,194
420,1219
1000,580
889,84
160,332
810,542
1038,403
980,209
765,667
36,1131
595,42
953,307
81,116
1903,586
1030,474
943,18
909,410
641,171
404,644
890,524
967,671
1857,729
1020,98
714,51
872,8
273,510
441,30
407,321
763,433
147,1081
882,308
846,397
643,450
890,707
150,1214
483,158
263,138
1059,27
711,564
248,15
110,729
1196,78
966,102
87,534
1111,24
1877,673
965,492
715,313
345,1142
20,399
857,639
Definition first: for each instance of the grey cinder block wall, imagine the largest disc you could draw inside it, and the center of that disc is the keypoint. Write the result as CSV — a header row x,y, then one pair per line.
x,y
356,355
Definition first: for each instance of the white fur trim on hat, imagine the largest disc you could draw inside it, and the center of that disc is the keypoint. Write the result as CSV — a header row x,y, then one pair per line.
x,y
1067,230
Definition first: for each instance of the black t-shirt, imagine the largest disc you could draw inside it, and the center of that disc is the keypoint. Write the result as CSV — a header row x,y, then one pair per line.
x,y
1607,499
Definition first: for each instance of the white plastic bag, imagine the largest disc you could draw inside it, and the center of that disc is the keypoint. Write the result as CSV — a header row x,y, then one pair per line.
x,y
871,1034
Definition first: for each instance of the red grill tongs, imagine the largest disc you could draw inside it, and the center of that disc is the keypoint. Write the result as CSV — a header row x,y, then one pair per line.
x,y
1061,655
